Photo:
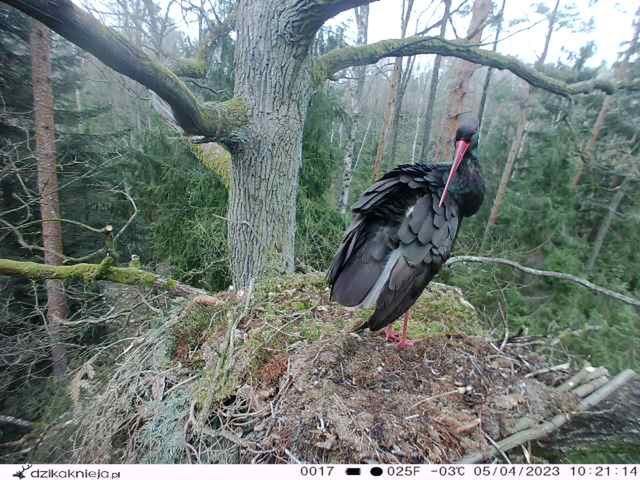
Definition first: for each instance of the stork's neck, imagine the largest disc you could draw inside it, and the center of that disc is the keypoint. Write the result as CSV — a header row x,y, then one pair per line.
x,y
467,188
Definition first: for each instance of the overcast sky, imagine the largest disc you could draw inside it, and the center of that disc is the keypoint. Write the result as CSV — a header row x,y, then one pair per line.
x,y
612,25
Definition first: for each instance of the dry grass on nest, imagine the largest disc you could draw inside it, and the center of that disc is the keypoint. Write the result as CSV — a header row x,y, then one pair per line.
x,y
280,380
358,399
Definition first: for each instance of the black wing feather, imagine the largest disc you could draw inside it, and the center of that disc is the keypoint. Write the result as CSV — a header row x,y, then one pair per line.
x,y
398,213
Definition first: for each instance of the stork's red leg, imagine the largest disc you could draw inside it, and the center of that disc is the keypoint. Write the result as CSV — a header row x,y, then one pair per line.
x,y
404,340
390,335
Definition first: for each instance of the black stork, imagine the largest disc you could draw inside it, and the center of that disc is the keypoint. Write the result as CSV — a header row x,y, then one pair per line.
x,y
403,229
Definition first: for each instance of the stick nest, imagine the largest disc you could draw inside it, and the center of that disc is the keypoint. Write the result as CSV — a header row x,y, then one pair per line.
x,y
276,377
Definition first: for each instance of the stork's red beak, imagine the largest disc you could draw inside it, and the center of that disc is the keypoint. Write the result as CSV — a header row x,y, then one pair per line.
x,y
461,148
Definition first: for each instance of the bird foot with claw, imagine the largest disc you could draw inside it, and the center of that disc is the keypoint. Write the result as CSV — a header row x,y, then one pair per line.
x,y
405,343
391,335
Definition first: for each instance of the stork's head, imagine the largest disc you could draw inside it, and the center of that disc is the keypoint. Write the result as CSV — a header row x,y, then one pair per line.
x,y
466,140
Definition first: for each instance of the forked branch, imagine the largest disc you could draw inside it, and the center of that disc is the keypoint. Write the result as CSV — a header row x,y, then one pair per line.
x,y
218,121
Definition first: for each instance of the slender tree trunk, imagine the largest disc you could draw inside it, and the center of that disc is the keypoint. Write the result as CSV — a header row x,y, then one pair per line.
x,y
487,79
355,101
589,149
518,141
273,76
433,87
57,310
457,103
606,224
621,73
347,171
385,134
390,121
507,172
363,143
407,71
416,135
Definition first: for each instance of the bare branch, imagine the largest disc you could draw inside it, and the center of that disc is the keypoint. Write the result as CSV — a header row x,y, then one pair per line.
x,y
219,121
336,60
545,273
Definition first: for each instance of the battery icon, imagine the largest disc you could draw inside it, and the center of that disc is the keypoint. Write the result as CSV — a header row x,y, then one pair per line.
x,y
353,471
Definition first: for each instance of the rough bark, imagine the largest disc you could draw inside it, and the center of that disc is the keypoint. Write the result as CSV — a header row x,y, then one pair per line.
x,y
605,225
487,78
460,90
273,75
521,130
391,111
354,93
433,87
57,310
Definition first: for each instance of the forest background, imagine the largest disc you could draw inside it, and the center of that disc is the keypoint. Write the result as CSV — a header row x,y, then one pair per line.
x,y
561,172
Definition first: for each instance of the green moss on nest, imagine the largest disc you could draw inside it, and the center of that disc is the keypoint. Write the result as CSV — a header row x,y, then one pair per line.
x,y
443,310
288,312
296,308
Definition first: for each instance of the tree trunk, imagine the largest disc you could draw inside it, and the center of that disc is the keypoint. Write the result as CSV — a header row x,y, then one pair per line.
x,y
589,149
518,141
433,88
57,310
347,170
487,79
405,77
507,172
416,133
621,73
457,103
273,76
606,224
355,102
387,133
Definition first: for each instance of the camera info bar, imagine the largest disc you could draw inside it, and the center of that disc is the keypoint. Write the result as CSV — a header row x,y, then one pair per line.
x,y
285,472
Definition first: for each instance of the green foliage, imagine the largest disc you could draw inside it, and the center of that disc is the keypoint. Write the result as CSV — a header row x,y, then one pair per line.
x,y
184,205
545,224
319,225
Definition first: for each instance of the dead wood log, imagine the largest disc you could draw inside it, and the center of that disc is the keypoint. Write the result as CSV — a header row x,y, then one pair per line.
x,y
615,421
547,427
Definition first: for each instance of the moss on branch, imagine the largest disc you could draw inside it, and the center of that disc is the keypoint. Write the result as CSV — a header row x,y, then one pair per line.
x,y
190,67
90,272
341,58
218,122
